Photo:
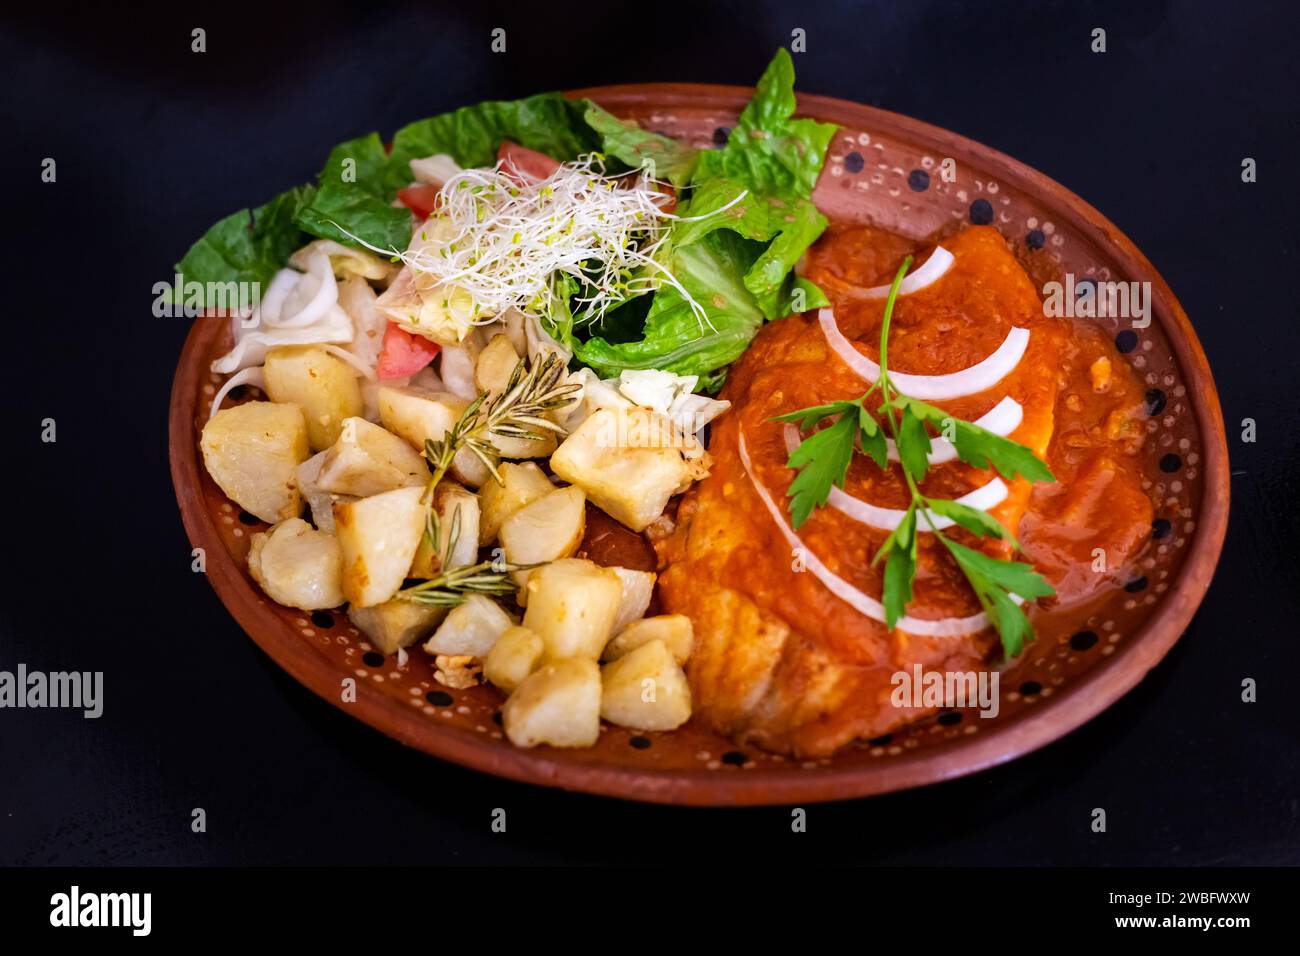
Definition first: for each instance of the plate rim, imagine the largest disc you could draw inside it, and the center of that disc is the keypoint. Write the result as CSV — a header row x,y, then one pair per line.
x,y
1068,709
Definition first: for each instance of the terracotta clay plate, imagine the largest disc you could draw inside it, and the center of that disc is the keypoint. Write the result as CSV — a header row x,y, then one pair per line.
x,y
887,170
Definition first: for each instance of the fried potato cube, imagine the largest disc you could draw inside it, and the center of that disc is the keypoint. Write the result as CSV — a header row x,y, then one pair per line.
x,y
319,501
396,623
378,536
470,628
416,415
458,510
545,529
572,605
324,386
674,630
513,657
628,461
646,689
557,705
297,566
520,485
495,364
367,460
638,588
252,452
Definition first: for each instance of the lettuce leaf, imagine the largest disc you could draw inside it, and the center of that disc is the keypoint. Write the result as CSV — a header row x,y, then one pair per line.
x,y
675,338
250,245
768,150
735,261
353,197
664,158
547,123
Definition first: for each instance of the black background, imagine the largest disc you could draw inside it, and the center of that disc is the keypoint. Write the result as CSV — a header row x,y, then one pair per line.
x,y
154,143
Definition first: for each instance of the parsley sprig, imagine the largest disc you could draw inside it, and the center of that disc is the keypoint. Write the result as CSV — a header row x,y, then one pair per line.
x,y
822,460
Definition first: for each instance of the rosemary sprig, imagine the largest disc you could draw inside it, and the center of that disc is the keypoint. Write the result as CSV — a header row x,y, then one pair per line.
x,y
451,586
823,460
534,388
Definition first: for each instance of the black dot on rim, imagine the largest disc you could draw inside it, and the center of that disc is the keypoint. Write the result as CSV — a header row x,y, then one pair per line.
x,y
498,719
1030,687
735,758
1156,401
881,741
1035,239
918,180
1126,341
322,619
372,659
720,135
1170,463
1083,640
439,698
1136,585
246,518
1160,528
854,162
639,742
950,718
981,212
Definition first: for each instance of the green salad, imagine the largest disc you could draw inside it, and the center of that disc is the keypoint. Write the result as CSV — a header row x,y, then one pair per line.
x,y
628,249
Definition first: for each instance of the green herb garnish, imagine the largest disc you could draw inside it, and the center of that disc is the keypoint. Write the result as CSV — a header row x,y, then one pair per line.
x,y
451,586
534,388
822,460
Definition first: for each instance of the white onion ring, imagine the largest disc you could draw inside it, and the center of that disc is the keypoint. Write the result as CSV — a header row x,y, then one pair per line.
x,y
932,270
327,294
969,381
863,603
276,294
250,376
351,359
986,496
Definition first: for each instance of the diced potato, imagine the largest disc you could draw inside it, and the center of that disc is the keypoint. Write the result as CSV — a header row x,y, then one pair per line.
x,y
379,536
450,500
520,484
252,451
324,386
645,689
495,364
367,460
297,566
396,623
557,705
674,630
511,447
512,658
470,628
468,469
627,461
572,605
320,501
546,529
638,588
416,415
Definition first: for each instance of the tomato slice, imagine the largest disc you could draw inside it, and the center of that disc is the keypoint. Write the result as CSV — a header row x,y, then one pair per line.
x,y
526,165
403,354
421,199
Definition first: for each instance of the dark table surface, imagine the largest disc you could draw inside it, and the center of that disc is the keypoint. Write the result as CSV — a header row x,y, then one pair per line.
x,y
154,142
